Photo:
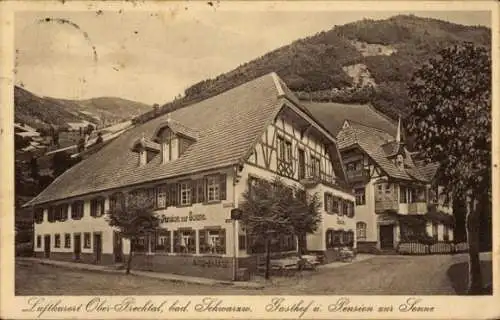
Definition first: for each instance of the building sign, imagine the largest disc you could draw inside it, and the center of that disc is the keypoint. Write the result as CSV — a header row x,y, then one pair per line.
x,y
190,217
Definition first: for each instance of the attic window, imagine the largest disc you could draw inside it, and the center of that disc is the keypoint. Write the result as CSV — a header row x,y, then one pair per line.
x,y
146,150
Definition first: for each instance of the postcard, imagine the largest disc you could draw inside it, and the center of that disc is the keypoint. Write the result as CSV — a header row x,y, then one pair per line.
x,y
249,160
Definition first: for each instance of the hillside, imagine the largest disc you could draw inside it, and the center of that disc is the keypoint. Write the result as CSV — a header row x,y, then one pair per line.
x,y
368,61
41,112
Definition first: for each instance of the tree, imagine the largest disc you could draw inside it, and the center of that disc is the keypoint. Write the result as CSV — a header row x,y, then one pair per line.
x,y
270,209
305,216
134,218
451,120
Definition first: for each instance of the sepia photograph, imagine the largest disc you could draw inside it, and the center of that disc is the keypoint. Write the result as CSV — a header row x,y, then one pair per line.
x,y
170,151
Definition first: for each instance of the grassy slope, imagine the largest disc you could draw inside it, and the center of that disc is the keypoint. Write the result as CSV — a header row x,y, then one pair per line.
x,y
312,67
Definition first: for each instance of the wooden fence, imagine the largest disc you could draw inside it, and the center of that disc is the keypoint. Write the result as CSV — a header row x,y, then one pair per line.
x,y
441,247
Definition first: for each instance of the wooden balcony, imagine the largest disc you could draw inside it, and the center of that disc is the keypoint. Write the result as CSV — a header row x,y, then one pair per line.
x,y
358,175
383,205
417,208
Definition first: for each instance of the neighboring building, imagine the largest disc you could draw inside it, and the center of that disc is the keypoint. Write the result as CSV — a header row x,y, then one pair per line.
x,y
395,202
197,161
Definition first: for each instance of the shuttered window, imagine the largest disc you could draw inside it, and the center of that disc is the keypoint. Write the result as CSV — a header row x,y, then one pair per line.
x,y
97,207
77,210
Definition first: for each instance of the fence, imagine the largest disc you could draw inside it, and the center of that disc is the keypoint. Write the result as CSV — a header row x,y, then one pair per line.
x,y
441,247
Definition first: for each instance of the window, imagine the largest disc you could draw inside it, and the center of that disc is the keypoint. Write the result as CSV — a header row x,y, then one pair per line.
x,y
77,210
38,215
161,197
198,192
359,193
328,202
61,212
38,241
446,236
212,241
185,192
302,164
402,194
51,214
350,208
67,240
86,240
213,185
284,150
172,194
97,207
163,241
345,208
361,230
185,241
435,231
242,242
336,205
57,240
141,244
315,167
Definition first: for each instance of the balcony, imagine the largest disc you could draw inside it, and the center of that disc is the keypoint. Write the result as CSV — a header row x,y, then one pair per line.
x,y
383,205
358,175
413,208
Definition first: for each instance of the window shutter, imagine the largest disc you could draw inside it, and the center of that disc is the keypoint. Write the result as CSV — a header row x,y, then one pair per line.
x,y
222,237
200,185
205,193
325,201
194,191
202,234
178,195
92,208
223,192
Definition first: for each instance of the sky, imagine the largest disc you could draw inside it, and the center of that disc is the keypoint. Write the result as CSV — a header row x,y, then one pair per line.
x,y
152,56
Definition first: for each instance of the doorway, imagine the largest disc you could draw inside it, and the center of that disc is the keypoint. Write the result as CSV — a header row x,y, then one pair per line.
x,y
46,244
97,247
117,247
386,236
77,246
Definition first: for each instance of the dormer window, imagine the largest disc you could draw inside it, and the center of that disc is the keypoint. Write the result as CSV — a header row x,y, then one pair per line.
x,y
174,139
146,150
400,161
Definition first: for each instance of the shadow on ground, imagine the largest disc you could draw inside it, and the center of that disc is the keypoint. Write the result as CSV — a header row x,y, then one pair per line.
x,y
459,276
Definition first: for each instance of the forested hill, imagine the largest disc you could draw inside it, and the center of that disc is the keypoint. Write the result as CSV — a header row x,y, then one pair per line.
x,y
364,61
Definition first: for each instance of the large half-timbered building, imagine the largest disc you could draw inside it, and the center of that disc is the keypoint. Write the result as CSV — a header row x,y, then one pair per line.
x,y
196,162
396,200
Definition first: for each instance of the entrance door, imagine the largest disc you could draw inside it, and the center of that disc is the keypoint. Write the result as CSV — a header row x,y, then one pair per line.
x,y
97,247
117,247
387,237
77,246
46,244
302,164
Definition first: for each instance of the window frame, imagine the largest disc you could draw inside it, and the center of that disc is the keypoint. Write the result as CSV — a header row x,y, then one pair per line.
x,y
161,189
216,182
38,241
67,240
185,191
75,214
85,238
361,228
360,195
95,203
57,240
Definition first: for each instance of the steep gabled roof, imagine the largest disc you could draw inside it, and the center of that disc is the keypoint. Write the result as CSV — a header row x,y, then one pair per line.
x,y
226,127
332,115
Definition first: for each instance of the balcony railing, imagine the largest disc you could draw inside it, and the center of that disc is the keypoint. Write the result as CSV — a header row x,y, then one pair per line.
x,y
383,205
358,175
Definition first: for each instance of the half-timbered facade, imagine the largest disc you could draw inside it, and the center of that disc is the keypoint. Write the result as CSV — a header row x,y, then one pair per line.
x,y
395,202
195,163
